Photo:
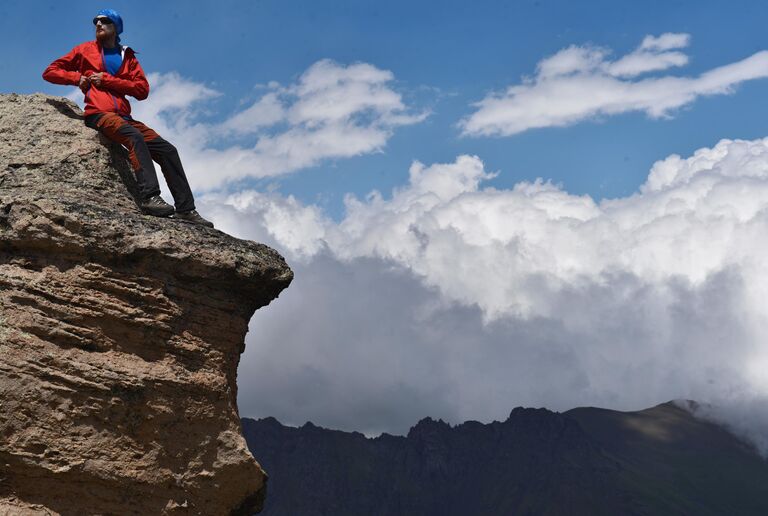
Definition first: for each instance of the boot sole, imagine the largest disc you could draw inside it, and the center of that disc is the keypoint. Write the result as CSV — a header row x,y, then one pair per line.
x,y
185,221
159,213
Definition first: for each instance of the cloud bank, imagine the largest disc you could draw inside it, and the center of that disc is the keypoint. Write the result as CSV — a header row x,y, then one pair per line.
x,y
456,300
582,82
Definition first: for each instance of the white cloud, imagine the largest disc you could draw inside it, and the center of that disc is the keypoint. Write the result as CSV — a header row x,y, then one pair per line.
x,y
667,41
458,300
265,112
481,246
652,55
328,93
580,83
270,217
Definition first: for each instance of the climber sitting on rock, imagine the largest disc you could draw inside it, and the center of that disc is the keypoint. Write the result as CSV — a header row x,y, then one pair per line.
x,y
106,72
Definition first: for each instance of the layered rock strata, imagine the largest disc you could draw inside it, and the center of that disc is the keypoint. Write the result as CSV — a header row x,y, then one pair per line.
x,y
120,334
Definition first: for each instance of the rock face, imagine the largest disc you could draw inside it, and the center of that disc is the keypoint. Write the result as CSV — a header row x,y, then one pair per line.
x,y
120,334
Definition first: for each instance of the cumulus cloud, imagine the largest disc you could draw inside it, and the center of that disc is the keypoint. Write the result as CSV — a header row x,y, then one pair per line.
x,y
582,82
332,111
451,298
688,222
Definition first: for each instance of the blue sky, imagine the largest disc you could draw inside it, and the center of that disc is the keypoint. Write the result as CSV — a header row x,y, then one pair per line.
x,y
444,56
631,273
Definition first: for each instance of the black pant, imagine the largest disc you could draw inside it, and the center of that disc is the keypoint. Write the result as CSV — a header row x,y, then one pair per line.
x,y
145,145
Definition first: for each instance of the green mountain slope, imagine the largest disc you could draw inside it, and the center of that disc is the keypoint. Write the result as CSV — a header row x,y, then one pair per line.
x,y
674,463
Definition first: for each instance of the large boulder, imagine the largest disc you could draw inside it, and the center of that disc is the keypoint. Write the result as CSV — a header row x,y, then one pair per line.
x,y
120,334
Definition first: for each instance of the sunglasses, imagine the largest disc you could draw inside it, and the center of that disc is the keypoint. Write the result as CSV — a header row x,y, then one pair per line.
x,y
104,21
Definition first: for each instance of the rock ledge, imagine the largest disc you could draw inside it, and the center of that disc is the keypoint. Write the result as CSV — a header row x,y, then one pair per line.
x,y
120,334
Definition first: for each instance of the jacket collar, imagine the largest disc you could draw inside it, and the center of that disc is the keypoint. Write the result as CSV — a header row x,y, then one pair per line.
x,y
123,48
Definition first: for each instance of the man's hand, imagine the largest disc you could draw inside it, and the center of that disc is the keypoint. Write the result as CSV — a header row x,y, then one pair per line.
x,y
96,78
84,83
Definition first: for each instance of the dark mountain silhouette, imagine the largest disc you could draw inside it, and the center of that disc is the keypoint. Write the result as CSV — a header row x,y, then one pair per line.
x,y
586,461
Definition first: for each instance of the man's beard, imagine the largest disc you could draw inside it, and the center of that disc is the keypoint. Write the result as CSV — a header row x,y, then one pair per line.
x,y
102,38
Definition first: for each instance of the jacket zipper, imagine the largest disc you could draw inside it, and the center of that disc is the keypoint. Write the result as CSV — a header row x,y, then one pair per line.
x,y
104,65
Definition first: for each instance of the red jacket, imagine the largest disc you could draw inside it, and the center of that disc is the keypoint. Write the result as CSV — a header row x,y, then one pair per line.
x,y
87,59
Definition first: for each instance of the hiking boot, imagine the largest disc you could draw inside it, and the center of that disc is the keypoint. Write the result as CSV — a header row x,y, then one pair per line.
x,y
156,206
192,217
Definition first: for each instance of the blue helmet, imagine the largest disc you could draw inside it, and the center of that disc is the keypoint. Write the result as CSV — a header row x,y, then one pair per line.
x,y
114,16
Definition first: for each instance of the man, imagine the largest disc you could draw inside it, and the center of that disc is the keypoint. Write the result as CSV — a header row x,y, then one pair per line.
x,y
106,72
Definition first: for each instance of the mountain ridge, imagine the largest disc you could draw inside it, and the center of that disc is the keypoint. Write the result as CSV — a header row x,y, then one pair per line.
x,y
534,462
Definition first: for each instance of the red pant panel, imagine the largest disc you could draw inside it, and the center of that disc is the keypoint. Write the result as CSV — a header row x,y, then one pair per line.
x,y
110,123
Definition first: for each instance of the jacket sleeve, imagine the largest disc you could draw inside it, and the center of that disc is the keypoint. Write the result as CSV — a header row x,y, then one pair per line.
x,y
65,70
132,82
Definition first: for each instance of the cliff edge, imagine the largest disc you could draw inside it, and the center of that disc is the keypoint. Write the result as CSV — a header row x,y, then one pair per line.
x,y
120,334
